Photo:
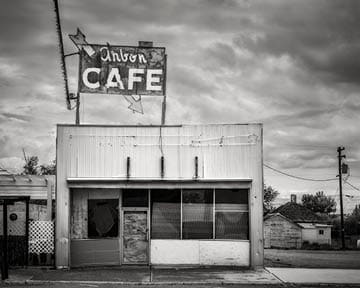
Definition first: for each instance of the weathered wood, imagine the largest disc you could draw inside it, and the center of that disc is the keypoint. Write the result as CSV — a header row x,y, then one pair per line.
x,y
281,233
135,244
49,201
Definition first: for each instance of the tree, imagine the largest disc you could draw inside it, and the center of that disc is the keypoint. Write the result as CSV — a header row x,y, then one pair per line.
x,y
269,196
319,202
352,222
48,169
31,165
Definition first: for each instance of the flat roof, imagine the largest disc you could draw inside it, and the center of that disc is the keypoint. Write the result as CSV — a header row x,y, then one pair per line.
x,y
155,125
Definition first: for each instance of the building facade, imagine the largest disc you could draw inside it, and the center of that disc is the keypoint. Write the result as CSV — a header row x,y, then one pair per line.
x,y
159,195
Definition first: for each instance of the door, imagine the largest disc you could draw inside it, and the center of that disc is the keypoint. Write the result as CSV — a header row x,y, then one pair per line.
x,y
135,237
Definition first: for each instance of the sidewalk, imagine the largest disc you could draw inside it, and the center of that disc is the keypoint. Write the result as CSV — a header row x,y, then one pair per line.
x,y
172,276
143,275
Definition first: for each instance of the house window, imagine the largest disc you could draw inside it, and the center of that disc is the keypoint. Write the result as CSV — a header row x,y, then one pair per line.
x,y
103,218
231,214
165,213
321,232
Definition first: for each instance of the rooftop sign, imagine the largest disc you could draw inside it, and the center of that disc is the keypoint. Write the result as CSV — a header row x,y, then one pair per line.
x,y
125,70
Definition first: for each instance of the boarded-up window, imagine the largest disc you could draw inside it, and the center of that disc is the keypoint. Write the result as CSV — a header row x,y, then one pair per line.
x,y
103,218
165,213
197,214
231,214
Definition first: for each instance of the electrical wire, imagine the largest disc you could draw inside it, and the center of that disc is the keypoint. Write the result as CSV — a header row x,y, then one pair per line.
x,y
354,187
300,178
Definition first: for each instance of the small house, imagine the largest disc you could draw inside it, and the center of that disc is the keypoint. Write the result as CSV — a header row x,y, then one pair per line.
x,y
292,225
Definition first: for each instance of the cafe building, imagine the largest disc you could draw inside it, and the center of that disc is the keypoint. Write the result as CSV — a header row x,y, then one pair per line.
x,y
159,195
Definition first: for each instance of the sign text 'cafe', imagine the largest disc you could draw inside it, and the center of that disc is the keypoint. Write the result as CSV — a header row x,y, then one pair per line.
x,y
124,70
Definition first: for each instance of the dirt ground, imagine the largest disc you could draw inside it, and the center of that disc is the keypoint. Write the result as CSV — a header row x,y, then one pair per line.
x,y
348,259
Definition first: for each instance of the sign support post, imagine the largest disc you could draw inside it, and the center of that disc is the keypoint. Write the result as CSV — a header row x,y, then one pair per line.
x,y
163,107
77,119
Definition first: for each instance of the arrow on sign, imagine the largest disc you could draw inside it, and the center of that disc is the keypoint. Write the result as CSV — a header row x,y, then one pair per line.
x,y
135,104
81,43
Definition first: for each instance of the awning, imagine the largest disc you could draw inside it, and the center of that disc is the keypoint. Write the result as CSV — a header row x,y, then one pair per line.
x,y
113,182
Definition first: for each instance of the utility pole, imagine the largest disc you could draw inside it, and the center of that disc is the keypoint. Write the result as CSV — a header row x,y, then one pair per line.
x,y
340,156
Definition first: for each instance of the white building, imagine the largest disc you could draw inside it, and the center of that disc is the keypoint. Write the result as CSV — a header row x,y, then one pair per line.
x,y
179,195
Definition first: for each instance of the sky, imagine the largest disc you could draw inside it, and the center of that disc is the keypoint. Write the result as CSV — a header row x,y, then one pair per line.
x,y
292,65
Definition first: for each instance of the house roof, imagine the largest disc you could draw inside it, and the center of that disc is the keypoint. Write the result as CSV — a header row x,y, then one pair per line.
x,y
298,213
313,226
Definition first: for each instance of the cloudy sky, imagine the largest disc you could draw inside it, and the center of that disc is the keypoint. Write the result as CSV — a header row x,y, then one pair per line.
x,y
292,65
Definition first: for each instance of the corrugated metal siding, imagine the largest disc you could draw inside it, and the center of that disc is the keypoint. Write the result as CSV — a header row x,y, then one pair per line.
x,y
33,186
224,151
231,151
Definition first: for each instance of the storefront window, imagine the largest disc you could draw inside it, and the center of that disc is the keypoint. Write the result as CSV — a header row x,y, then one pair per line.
x,y
165,213
201,215
103,218
197,214
231,214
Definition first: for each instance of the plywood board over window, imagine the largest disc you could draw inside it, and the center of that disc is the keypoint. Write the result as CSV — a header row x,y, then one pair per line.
x,y
79,214
80,208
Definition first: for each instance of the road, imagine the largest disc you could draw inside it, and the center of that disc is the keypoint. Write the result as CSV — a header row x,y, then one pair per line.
x,y
349,259
63,285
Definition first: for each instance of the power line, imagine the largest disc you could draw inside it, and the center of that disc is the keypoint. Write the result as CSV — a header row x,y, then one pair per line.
x,y
346,182
298,177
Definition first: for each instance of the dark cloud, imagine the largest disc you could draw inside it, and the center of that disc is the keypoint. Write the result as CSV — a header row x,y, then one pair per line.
x,y
292,65
321,35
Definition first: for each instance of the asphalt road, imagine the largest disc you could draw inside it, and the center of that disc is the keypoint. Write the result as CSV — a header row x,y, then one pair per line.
x,y
66,285
349,259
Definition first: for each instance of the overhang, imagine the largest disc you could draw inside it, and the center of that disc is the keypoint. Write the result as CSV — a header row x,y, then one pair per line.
x,y
113,182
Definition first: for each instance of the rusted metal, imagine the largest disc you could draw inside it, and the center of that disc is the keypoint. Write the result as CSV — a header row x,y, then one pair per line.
x,y
128,167
163,107
124,70
196,167
162,167
62,54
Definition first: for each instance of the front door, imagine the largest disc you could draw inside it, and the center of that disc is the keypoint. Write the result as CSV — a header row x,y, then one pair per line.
x,y
135,237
